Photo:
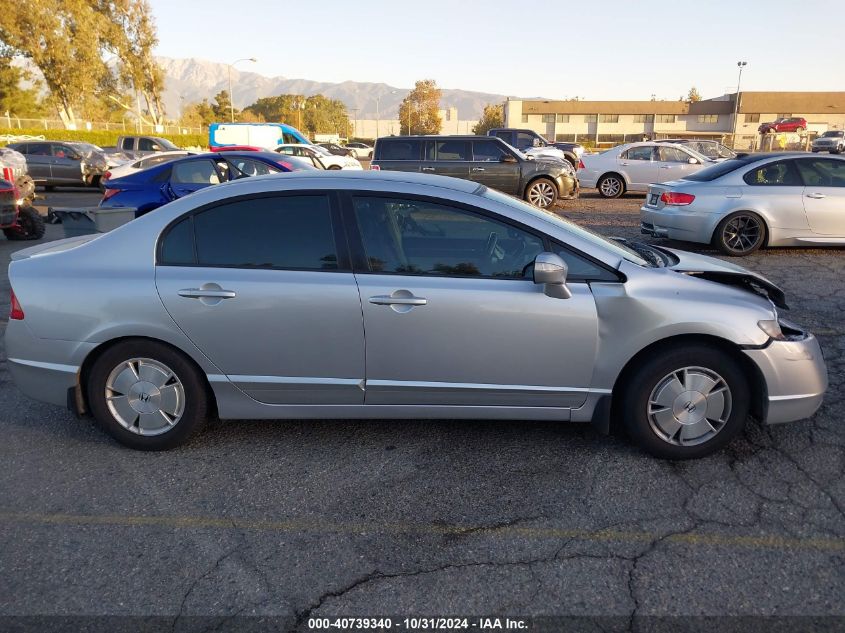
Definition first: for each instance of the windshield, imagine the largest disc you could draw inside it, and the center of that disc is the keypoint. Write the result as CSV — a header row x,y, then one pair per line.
x,y
165,143
322,151
516,151
834,134
716,171
86,148
579,231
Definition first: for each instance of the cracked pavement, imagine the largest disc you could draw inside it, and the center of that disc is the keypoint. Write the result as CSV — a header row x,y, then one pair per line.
x,y
302,519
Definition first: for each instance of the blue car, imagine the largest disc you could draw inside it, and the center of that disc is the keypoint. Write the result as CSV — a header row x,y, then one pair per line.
x,y
151,188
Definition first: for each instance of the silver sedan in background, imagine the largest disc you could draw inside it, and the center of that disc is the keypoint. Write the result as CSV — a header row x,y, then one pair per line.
x,y
398,295
753,201
633,166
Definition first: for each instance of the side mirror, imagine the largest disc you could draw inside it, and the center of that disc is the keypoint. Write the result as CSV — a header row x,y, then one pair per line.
x,y
550,270
507,158
692,161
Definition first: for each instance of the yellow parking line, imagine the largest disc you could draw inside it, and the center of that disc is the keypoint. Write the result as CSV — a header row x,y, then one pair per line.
x,y
262,525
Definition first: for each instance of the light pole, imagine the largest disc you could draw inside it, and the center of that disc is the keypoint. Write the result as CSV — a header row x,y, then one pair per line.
x,y
231,98
378,112
299,106
740,65
355,127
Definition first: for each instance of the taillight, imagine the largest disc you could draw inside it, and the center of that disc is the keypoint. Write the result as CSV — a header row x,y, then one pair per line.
x,y
16,311
581,164
110,193
375,167
9,174
675,199
106,176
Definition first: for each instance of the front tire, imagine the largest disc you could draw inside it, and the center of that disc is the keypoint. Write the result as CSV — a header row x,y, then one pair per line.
x,y
30,226
740,234
686,402
147,396
542,193
611,186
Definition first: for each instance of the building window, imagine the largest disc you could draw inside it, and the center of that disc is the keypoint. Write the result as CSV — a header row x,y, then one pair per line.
x,y
666,118
525,118
590,118
643,118
564,138
611,138
563,118
752,118
548,118
708,118
609,118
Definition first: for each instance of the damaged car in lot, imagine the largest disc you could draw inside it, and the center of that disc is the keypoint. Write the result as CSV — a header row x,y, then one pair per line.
x,y
399,295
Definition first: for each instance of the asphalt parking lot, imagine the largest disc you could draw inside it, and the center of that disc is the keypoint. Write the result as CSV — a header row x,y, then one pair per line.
x,y
293,520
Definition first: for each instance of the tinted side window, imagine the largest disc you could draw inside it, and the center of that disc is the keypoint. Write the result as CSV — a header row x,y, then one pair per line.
x,y
822,172
447,150
178,244
487,151
195,172
128,143
146,145
580,268
275,232
524,140
250,167
399,150
779,174
424,238
638,153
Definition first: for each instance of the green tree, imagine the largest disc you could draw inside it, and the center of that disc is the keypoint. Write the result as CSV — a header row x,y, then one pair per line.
x,y
315,114
419,111
198,114
15,100
222,106
492,117
131,35
693,95
63,41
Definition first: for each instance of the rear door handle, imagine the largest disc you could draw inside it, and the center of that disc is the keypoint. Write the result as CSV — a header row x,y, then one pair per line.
x,y
665,167
817,196
428,168
200,293
388,300
478,169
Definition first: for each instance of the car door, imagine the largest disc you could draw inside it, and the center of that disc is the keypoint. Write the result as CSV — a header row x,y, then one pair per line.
x,y
38,159
65,164
262,285
824,194
488,166
776,189
674,163
447,157
452,316
638,165
188,176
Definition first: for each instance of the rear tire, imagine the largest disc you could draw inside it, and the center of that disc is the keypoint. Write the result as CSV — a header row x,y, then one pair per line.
x,y
740,234
686,402
30,226
147,396
611,186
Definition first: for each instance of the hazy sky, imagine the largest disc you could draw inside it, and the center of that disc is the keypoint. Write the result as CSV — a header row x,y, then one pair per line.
x,y
593,49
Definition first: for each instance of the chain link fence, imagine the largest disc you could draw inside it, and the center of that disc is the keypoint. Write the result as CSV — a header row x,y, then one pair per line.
x,y
130,127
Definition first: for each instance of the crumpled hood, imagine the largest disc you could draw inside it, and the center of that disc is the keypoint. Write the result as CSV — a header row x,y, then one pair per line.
x,y
719,271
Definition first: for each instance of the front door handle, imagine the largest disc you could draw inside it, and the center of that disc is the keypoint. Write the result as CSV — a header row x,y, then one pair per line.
x,y
478,169
428,168
390,300
665,167
206,293
816,195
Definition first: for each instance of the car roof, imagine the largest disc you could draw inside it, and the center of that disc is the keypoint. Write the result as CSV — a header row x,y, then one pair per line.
x,y
463,137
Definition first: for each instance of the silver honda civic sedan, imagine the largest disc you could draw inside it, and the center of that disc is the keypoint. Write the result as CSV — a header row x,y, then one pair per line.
x,y
753,201
398,295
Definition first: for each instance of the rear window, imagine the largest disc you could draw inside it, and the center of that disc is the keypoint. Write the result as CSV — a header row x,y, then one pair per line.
x,y
718,170
399,150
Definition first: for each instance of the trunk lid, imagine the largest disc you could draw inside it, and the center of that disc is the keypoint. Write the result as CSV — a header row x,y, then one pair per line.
x,y
57,246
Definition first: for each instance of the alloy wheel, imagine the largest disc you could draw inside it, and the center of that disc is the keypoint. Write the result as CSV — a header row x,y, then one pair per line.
x,y
611,187
145,396
689,406
742,233
541,194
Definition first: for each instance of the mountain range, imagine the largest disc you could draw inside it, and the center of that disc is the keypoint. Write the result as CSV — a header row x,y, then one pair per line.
x,y
191,80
